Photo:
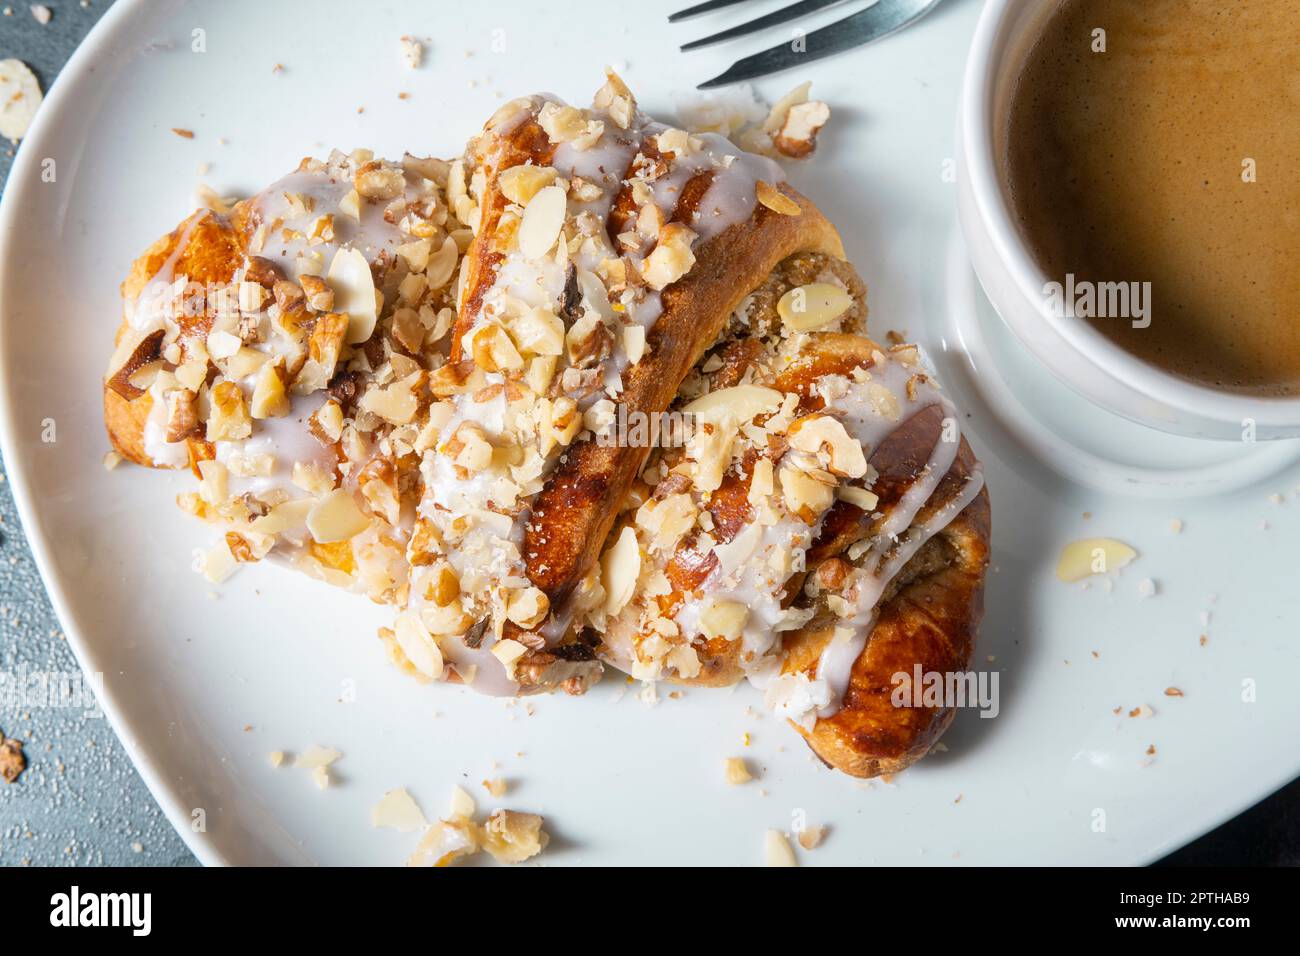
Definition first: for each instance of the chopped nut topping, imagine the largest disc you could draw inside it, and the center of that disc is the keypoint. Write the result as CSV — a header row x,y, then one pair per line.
x,y
615,99
671,259
229,419
797,137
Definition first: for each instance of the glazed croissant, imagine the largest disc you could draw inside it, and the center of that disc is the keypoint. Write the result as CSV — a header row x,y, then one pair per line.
x,y
428,381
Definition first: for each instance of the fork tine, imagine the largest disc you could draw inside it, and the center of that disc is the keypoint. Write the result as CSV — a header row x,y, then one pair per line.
x,y
700,8
794,11
876,21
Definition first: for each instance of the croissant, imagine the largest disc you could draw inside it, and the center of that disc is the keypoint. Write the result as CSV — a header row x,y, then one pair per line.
x,y
445,384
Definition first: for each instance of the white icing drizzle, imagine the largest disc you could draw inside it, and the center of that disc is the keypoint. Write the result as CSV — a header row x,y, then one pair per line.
x,y
841,653
299,224
155,304
758,583
321,189
324,186
888,552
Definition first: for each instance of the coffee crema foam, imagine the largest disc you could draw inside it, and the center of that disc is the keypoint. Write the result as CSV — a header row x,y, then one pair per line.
x,y
1159,142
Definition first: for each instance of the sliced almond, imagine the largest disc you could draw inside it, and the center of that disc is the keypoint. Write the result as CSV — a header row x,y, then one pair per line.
x,y
634,343
777,850
462,804
270,399
398,811
777,201
442,264
416,254
805,495
1089,556
621,566
542,221
814,306
354,293
418,645
316,756
859,497
743,403
20,97
336,517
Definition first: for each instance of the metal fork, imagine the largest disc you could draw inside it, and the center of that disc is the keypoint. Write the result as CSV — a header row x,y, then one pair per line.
x,y
878,20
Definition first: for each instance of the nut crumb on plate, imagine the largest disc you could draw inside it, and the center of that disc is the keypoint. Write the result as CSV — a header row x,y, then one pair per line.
x,y
12,761
412,52
811,837
398,811
737,771
777,850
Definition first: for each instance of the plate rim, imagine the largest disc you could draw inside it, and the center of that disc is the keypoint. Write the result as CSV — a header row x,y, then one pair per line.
x,y
74,72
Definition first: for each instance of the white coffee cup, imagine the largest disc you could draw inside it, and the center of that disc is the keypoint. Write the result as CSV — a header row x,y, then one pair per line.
x,y
1076,352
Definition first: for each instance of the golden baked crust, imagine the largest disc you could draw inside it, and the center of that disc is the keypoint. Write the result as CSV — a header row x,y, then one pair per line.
x,y
928,617
208,248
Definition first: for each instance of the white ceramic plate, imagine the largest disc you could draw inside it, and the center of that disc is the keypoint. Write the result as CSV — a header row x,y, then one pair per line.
x,y
187,673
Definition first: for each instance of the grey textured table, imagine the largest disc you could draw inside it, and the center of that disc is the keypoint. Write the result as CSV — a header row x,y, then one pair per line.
x,y
80,801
